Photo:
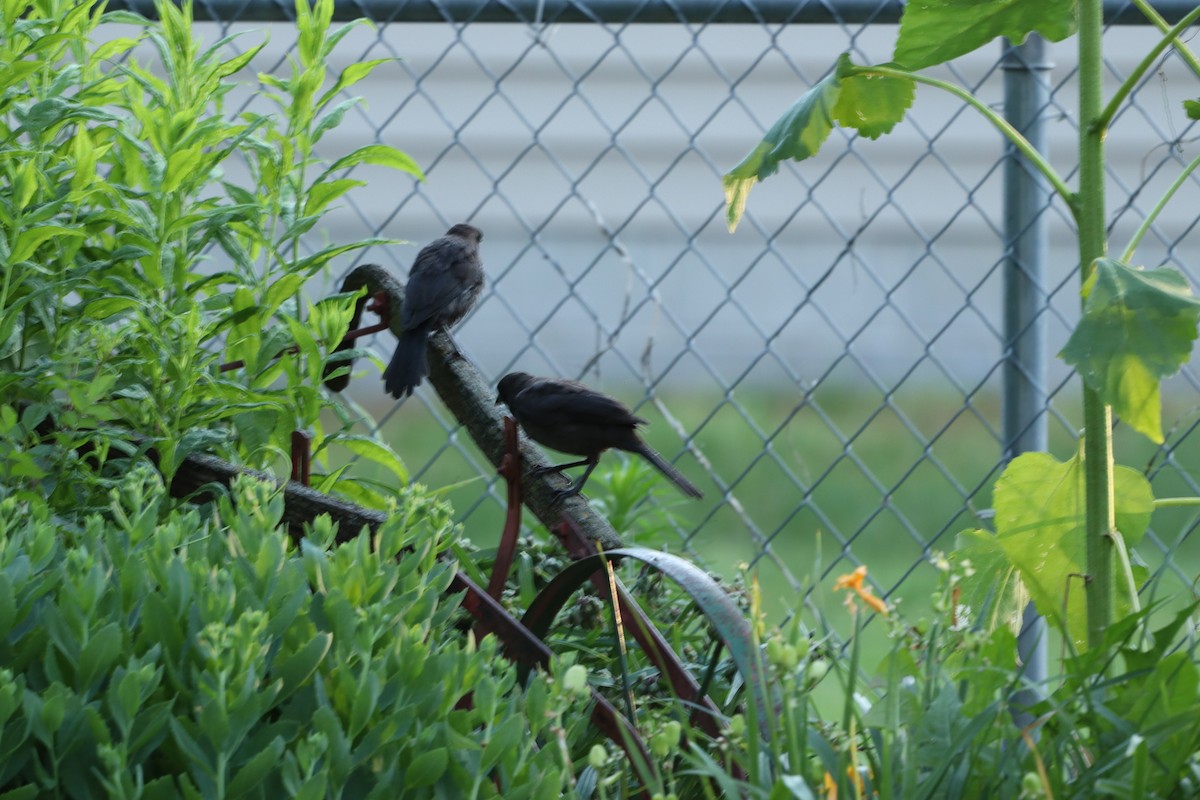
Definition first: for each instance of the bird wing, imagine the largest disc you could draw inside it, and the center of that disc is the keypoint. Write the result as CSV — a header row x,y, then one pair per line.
x,y
439,276
565,402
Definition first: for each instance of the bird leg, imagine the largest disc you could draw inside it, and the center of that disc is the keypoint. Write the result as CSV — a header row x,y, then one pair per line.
x,y
560,467
576,487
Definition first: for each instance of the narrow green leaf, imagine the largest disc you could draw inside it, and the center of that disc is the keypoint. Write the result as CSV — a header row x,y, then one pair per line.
x,y
8,605
76,20
350,76
188,744
201,440
13,74
322,194
105,307
364,705
252,774
504,738
124,698
376,452
29,240
280,291
1192,107
98,655
1137,328
312,33
114,49
300,666
333,118
27,792
234,64
160,625
381,155
426,768
183,164
935,31
1171,688
792,786
314,262
151,725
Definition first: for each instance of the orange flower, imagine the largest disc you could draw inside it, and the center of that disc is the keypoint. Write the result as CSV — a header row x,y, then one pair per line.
x,y
831,787
855,581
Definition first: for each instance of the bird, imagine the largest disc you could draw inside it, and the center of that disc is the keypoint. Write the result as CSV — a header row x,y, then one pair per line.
x,y
567,416
443,285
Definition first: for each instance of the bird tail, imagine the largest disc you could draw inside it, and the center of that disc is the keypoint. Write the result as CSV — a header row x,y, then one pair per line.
x,y
666,468
408,366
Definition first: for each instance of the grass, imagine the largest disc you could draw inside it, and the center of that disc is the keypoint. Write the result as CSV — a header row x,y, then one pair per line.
x,y
807,491
842,480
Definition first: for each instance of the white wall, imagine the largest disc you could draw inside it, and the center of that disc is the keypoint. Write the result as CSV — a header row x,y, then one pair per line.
x,y
548,140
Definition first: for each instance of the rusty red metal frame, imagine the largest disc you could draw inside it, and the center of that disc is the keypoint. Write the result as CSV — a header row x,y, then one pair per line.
x,y
510,469
302,440
706,715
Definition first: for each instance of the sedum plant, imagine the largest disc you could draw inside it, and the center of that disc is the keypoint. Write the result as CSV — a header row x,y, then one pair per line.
x,y
149,652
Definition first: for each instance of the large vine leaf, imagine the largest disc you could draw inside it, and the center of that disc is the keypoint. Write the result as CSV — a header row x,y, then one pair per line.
x,y
993,584
1040,527
869,104
1137,328
798,134
935,31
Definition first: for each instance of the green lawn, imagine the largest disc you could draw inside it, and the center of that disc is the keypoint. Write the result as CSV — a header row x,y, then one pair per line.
x,y
847,473
845,479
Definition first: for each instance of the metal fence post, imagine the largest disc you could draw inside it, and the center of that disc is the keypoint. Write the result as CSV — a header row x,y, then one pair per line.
x,y
1026,199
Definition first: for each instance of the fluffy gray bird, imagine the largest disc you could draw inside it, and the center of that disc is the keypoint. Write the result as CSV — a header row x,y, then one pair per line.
x,y
571,418
443,284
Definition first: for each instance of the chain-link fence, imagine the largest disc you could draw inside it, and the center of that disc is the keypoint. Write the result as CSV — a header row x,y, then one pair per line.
x,y
833,374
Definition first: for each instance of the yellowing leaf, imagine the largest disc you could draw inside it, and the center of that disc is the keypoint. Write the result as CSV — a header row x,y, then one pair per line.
x,y
796,135
870,104
1137,328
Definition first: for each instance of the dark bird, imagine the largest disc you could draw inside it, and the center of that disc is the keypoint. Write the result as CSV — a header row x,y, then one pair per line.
x,y
443,285
571,418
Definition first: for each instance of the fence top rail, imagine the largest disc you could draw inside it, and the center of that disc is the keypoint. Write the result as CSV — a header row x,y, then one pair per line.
x,y
800,12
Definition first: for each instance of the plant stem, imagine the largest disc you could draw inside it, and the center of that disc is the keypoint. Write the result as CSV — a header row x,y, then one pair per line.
x,y
1097,416
1011,133
1169,37
1157,21
1125,572
1162,202
1176,502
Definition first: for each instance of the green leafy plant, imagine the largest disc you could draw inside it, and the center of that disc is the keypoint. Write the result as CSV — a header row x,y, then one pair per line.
x,y
151,652
939,715
623,494
135,262
1137,326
